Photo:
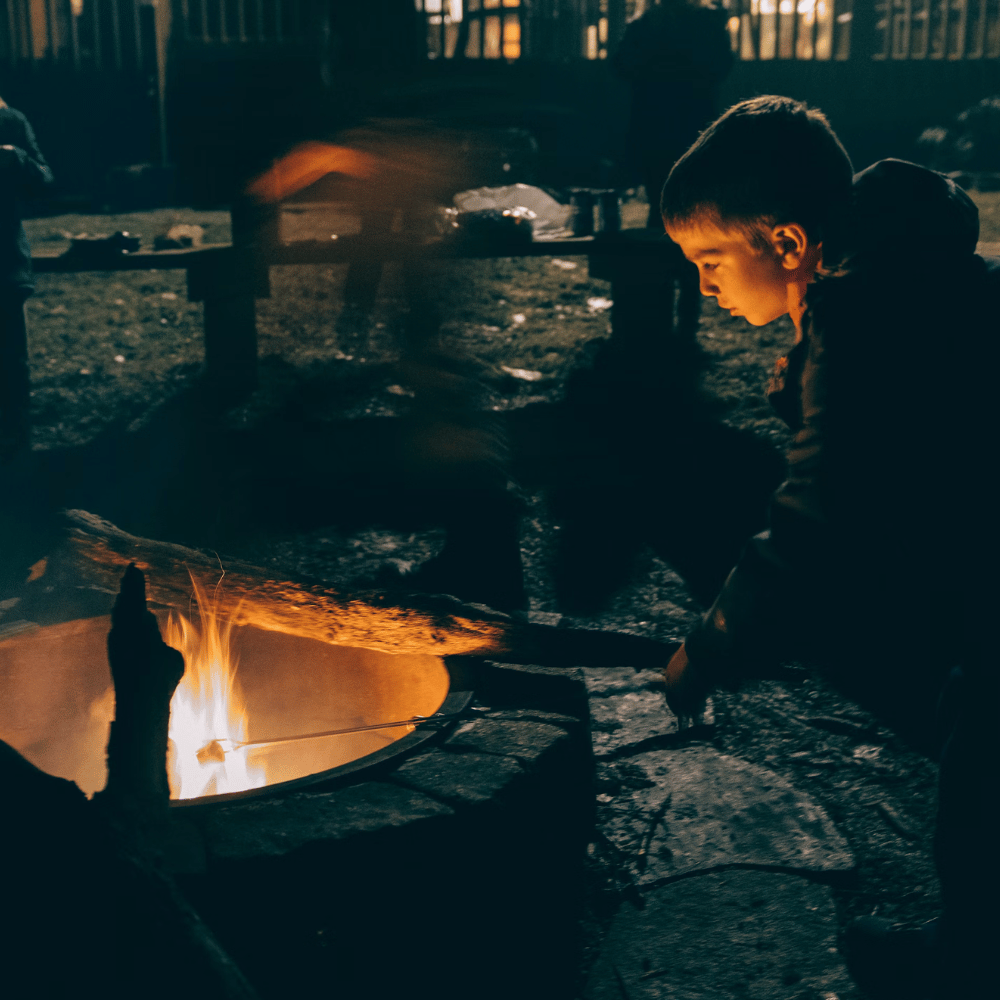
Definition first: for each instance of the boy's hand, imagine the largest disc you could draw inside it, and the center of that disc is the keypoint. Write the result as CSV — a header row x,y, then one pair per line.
x,y
687,687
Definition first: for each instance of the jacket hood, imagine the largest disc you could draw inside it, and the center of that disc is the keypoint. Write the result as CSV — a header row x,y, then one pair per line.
x,y
905,212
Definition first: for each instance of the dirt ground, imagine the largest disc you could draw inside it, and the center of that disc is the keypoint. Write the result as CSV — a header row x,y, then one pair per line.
x,y
110,350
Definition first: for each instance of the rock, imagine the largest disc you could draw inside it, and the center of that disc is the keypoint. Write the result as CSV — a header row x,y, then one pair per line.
x,y
737,934
681,618
689,809
466,778
627,707
603,681
525,740
551,619
548,688
179,237
273,827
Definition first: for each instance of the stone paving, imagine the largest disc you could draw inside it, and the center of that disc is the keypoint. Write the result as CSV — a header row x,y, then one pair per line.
x,y
727,866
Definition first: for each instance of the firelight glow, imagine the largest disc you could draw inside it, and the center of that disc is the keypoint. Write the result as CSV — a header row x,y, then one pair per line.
x,y
207,706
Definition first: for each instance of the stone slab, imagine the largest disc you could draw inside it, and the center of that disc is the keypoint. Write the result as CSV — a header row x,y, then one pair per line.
x,y
520,738
558,689
274,827
459,778
753,935
692,808
628,707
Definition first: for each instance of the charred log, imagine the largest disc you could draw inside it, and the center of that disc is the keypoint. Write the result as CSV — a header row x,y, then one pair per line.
x,y
145,671
85,914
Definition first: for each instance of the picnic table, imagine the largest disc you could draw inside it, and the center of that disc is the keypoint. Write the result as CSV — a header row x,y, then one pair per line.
x,y
228,278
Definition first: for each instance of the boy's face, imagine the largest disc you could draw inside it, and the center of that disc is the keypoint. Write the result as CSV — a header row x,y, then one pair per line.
x,y
747,280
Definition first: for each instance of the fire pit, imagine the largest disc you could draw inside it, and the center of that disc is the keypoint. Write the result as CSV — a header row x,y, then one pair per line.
x,y
243,720
296,883
285,683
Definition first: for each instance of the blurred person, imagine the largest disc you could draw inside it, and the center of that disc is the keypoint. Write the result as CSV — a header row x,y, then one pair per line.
x,y
674,56
880,560
453,454
23,174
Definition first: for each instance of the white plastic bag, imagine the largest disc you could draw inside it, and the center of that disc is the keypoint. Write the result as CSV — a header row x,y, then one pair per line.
x,y
548,218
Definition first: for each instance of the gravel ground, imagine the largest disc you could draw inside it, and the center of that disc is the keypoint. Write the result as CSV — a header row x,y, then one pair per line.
x,y
108,349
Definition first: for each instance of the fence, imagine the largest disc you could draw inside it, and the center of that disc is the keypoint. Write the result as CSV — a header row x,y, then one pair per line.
x,y
121,35
244,22
116,35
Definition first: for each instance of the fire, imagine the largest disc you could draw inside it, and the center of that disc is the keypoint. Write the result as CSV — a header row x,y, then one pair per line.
x,y
207,713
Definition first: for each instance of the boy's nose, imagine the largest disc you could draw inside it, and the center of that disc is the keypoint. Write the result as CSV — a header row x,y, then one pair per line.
x,y
708,287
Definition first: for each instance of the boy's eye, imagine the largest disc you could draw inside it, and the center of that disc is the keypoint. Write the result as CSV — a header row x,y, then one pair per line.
x,y
709,266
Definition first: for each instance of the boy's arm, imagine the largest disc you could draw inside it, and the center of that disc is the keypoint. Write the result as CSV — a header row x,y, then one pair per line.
x,y
22,166
746,628
751,622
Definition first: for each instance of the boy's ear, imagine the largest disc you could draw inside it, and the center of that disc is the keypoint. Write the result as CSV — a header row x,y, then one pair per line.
x,y
791,244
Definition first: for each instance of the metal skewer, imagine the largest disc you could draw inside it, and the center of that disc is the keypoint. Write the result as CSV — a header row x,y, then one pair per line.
x,y
217,749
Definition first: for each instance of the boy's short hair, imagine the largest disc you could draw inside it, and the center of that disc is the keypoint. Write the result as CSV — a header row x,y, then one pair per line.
x,y
766,161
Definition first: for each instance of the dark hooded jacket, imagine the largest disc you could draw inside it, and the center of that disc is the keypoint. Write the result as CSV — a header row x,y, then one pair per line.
x,y
882,540
23,174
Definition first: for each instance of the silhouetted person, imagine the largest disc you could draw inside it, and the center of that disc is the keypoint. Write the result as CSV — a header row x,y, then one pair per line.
x,y
23,174
674,56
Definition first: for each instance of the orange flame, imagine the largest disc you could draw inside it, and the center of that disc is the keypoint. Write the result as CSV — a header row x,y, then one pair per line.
x,y
207,713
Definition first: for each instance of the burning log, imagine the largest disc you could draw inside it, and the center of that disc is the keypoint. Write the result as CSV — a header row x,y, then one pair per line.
x,y
145,671
96,552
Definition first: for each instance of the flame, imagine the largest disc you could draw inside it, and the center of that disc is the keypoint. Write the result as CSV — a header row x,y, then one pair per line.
x,y
207,713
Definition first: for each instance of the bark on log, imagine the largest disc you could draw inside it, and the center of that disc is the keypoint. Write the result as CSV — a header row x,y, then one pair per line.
x,y
96,552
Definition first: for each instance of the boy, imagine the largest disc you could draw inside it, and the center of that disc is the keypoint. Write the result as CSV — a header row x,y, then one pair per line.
x,y
879,558
23,174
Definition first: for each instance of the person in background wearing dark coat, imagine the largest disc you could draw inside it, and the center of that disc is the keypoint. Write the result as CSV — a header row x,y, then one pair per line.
x,y
674,57
23,174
